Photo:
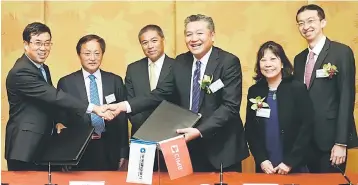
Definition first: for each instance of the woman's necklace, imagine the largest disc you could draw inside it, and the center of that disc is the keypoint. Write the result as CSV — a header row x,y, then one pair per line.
x,y
274,93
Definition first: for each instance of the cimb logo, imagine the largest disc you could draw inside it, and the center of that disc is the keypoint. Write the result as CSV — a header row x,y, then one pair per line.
x,y
175,151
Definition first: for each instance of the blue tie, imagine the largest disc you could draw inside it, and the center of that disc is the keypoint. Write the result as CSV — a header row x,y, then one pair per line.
x,y
196,89
43,72
97,121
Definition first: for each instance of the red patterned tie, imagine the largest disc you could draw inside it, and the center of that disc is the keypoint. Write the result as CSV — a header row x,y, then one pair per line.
x,y
309,69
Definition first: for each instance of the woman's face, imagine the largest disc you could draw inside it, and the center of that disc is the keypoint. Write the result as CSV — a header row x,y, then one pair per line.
x,y
271,65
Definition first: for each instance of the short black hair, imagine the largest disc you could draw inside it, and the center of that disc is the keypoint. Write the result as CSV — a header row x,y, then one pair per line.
x,y
278,51
35,28
151,27
319,10
88,38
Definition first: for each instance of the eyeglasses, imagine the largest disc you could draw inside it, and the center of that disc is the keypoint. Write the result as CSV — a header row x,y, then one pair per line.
x,y
309,22
88,54
40,44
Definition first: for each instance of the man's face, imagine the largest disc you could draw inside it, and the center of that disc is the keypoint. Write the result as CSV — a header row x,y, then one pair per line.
x,y
310,25
152,45
198,38
39,47
91,56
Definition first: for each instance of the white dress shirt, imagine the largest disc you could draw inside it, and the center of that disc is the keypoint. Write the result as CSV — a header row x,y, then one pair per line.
x,y
316,50
98,79
157,67
204,61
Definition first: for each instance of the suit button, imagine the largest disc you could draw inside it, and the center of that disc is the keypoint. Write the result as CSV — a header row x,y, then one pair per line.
x,y
282,131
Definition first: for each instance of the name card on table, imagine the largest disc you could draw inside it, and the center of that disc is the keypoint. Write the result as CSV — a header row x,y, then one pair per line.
x,y
87,183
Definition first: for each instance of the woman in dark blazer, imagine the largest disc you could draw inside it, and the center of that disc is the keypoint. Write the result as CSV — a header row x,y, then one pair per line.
x,y
278,115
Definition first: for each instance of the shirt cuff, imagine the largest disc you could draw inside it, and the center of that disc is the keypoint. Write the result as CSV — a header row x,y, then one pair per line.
x,y
341,144
90,108
128,107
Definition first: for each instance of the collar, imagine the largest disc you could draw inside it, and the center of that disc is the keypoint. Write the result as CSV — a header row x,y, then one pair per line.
x,y
159,62
319,46
36,64
205,59
96,74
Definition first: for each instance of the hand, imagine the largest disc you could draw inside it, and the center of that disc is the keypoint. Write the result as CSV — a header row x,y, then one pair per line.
x,y
338,154
282,169
117,108
189,133
123,165
101,111
59,127
267,167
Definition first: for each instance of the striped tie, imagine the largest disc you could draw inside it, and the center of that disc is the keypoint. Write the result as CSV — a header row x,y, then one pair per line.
x,y
309,69
97,122
196,89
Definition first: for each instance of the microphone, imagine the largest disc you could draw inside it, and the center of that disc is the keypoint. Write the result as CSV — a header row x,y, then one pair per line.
x,y
344,175
221,176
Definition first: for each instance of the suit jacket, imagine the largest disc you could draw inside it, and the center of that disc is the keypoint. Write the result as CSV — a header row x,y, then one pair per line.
x,y
116,129
220,125
137,84
33,102
295,115
333,99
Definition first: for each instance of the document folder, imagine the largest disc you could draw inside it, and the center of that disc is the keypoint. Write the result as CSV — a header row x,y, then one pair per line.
x,y
164,121
67,147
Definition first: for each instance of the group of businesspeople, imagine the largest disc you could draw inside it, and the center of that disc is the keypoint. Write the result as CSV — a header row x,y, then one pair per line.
x,y
299,118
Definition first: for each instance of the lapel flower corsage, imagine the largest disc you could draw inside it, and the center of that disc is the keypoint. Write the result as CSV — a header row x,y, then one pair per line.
x,y
330,70
258,103
205,83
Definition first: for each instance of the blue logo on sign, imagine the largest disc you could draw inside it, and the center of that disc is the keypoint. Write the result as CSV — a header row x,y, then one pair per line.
x,y
142,150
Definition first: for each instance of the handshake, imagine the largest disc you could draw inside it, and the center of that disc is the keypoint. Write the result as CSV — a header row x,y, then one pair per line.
x,y
109,111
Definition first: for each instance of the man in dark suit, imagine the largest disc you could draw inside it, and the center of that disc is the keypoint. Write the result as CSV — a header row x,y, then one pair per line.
x,y
219,136
34,101
328,70
143,75
108,148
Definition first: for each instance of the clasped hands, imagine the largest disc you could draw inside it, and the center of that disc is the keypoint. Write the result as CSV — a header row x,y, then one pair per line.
x,y
268,168
109,111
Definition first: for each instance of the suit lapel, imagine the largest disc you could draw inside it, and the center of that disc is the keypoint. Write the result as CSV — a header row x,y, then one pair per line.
x,y
186,78
301,66
25,58
106,88
80,85
210,69
144,71
165,70
322,55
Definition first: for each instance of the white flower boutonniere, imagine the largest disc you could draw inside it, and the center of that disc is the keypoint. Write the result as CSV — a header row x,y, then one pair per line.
x,y
205,83
330,70
258,103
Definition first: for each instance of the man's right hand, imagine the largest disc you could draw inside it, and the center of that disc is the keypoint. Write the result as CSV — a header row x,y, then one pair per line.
x,y
102,111
117,108
59,127
267,167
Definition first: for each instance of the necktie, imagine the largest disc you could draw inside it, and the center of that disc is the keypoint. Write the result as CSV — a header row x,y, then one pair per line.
x,y
152,76
309,69
43,72
97,122
196,89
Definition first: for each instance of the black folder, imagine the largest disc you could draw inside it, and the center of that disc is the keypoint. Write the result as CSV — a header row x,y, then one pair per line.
x,y
164,121
67,147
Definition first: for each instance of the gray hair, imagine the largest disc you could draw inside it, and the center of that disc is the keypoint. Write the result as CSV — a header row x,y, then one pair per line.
x,y
200,17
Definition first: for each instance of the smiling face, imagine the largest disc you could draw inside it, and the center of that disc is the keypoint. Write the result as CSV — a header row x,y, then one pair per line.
x,y
199,38
152,45
39,47
310,25
271,65
91,56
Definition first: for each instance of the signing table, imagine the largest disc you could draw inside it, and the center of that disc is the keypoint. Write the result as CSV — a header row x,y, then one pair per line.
x,y
119,178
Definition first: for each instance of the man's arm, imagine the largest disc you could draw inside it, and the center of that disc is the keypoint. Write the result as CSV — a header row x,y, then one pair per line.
x,y
346,83
231,98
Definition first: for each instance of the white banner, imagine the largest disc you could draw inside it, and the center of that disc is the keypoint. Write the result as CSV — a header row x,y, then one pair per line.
x,y
141,161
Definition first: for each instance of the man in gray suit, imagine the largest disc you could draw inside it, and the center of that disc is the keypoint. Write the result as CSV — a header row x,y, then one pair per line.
x,y
143,75
328,70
